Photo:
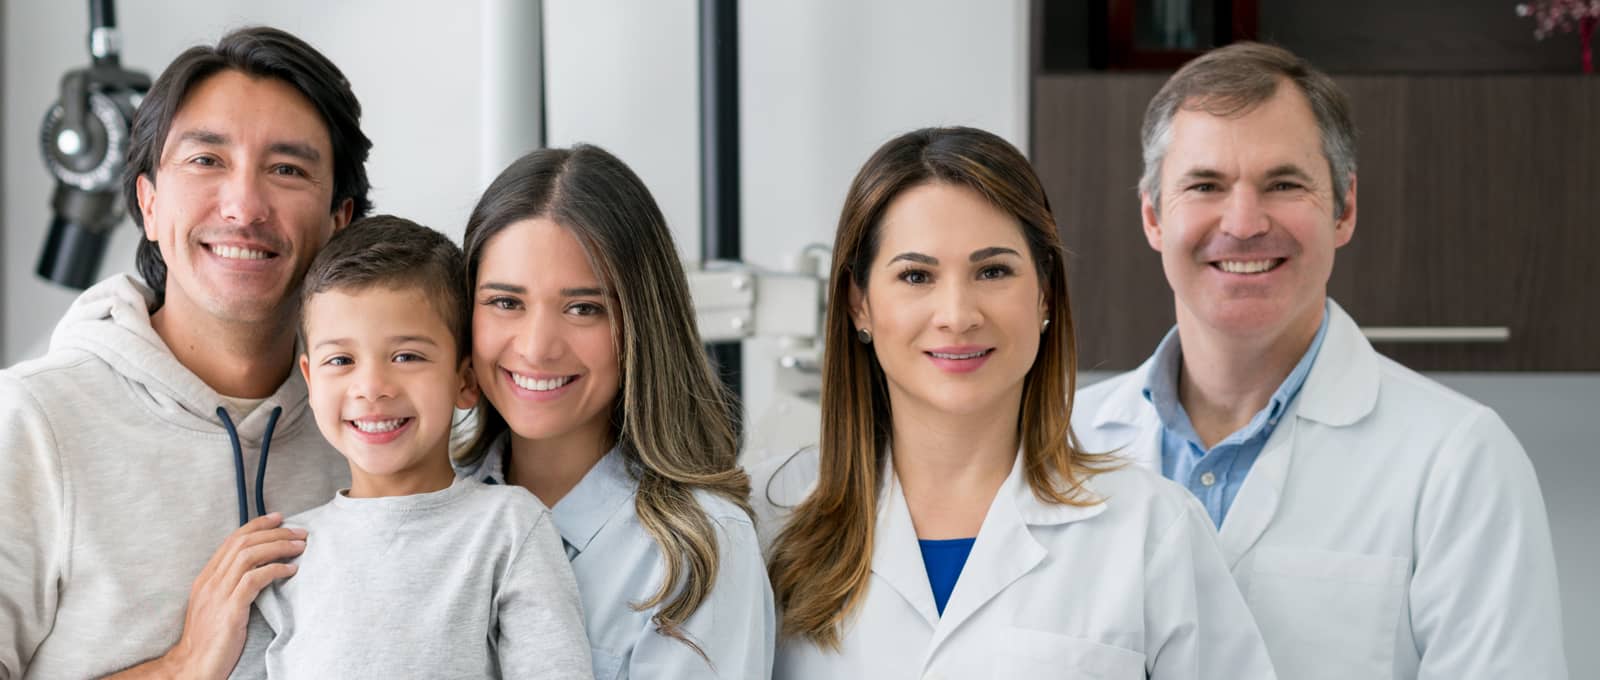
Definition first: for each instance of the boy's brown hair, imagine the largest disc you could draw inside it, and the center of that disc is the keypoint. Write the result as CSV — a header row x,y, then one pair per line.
x,y
395,253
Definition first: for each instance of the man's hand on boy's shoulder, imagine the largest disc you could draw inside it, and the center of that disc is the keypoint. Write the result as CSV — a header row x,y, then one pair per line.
x,y
214,626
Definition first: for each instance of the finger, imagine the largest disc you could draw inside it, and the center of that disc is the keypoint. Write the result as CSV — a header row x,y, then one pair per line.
x,y
223,553
256,580
256,556
226,556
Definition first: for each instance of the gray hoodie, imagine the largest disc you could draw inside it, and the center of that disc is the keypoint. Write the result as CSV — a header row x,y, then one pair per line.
x,y
118,480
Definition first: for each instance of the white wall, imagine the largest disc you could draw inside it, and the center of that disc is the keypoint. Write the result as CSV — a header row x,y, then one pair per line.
x,y
825,83
419,69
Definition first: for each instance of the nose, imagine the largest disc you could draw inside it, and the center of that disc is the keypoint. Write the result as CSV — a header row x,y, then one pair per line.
x,y
539,339
957,310
1243,216
372,382
242,199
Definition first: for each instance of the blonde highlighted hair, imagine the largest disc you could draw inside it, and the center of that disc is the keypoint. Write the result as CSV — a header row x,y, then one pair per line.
x,y
672,420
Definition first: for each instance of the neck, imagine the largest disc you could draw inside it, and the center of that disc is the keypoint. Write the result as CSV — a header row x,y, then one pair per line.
x,y
433,475
245,360
951,466
1224,381
551,467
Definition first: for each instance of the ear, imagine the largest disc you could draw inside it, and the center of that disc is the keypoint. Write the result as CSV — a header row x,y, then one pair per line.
x,y
1151,215
341,215
467,397
1345,228
860,313
305,370
145,191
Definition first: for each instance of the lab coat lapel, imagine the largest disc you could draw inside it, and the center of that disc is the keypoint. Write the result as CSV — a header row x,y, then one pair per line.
x,y
1005,550
1341,389
1258,498
896,555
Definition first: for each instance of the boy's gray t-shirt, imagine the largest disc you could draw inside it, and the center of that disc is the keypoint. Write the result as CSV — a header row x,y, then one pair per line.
x,y
471,581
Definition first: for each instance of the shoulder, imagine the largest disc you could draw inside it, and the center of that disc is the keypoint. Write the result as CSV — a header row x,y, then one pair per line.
x,y
778,483
1090,398
1131,490
506,497
1432,416
311,519
1107,414
67,374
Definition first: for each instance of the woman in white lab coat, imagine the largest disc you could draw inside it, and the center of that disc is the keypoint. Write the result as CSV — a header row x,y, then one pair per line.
x,y
947,525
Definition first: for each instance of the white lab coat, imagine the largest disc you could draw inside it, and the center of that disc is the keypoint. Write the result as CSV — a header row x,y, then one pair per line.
x,y
1391,528
1132,586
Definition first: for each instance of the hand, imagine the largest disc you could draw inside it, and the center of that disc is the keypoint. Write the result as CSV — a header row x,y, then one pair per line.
x,y
219,603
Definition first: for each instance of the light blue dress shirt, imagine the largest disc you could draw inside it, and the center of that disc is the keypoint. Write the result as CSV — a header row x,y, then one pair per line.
x,y
1215,475
618,564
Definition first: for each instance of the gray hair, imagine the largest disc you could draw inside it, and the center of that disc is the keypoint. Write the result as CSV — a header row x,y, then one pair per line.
x,y
1232,80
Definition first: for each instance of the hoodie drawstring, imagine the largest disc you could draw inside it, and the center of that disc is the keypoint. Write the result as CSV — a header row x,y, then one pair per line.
x,y
238,464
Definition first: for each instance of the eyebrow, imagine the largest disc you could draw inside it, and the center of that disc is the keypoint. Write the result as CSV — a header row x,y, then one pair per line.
x,y
521,290
393,339
1289,170
915,257
978,255
1201,173
300,150
504,288
992,251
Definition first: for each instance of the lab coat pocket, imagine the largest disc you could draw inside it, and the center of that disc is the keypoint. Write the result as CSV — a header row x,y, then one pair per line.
x,y
1328,614
1026,653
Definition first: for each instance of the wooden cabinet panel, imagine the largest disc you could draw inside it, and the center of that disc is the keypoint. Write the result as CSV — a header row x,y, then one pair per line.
x,y
1479,202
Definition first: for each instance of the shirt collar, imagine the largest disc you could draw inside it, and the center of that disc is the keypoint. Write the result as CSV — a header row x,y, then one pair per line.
x,y
1161,385
581,513
584,511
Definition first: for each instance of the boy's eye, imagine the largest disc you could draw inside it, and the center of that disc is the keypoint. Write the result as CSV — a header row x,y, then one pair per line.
x,y
337,361
404,357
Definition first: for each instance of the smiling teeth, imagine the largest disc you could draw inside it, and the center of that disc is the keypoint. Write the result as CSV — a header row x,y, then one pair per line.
x,y
1252,267
378,426
540,385
974,355
236,253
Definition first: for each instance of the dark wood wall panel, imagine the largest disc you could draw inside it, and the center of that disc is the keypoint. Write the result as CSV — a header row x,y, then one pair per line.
x,y
1086,150
1478,199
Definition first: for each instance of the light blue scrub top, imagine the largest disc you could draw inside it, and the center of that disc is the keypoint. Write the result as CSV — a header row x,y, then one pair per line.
x,y
617,564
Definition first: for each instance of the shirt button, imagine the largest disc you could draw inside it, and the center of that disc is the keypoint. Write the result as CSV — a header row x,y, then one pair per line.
x,y
1207,479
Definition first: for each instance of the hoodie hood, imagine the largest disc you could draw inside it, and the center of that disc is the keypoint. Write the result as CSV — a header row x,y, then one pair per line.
x,y
111,320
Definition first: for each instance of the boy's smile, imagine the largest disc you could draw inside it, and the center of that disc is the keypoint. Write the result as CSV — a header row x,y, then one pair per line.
x,y
385,377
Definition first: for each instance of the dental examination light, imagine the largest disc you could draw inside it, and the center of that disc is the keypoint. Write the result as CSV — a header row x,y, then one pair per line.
x,y
84,139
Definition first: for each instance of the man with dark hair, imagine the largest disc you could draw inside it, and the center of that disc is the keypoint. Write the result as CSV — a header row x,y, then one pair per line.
x,y
129,452
1379,524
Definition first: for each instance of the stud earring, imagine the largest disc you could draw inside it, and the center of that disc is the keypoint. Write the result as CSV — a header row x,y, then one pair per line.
x,y
864,335
1045,327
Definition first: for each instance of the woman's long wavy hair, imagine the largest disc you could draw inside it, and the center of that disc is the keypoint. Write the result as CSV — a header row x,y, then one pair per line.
x,y
822,560
672,419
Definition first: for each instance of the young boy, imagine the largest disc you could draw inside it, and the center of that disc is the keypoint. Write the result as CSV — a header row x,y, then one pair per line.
x,y
410,572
